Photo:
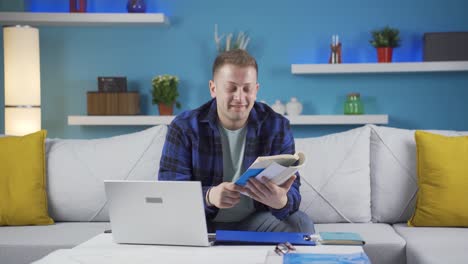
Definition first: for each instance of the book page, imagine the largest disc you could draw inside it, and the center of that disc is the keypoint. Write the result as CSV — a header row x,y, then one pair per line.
x,y
277,173
285,160
282,159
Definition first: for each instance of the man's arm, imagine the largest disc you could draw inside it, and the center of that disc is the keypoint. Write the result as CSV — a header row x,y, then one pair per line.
x,y
282,200
176,162
293,201
293,195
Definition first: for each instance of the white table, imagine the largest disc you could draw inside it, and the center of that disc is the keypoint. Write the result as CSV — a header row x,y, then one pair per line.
x,y
102,249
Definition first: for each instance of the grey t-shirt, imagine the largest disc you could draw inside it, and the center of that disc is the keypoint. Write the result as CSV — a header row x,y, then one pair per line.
x,y
233,145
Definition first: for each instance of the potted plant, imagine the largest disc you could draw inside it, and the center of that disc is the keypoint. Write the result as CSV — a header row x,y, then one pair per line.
x,y
165,93
385,40
232,42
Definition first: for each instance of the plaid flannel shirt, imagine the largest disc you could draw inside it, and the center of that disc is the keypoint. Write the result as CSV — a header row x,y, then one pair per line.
x,y
193,151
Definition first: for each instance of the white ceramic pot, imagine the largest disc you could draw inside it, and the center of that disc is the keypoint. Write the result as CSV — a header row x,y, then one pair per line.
x,y
294,107
278,107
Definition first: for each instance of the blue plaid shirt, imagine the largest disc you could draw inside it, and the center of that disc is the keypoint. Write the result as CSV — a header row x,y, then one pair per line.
x,y
193,150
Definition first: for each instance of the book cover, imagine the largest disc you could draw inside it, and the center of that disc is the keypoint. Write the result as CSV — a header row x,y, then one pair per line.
x,y
340,238
277,168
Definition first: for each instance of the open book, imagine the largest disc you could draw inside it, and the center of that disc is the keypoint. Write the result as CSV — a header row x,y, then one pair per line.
x,y
278,168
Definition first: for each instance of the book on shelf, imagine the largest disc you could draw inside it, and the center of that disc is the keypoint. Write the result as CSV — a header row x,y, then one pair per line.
x,y
277,168
340,238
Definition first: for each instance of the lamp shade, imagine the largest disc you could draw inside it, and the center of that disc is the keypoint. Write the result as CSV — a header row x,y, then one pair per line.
x,y
21,121
22,80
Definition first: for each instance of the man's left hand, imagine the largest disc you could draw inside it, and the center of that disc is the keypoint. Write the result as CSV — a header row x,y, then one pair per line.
x,y
268,193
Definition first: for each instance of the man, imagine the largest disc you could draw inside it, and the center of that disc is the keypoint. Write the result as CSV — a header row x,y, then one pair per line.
x,y
217,142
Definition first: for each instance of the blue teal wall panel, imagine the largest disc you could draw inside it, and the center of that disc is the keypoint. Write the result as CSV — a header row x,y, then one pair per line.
x,y
12,5
282,34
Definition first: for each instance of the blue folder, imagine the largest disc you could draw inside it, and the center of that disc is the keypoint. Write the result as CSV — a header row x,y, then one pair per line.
x,y
228,237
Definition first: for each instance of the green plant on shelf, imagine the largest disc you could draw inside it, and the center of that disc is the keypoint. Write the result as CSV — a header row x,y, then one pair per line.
x,y
165,90
386,37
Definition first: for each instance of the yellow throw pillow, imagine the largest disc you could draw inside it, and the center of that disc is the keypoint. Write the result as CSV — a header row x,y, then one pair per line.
x,y
23,198
442,180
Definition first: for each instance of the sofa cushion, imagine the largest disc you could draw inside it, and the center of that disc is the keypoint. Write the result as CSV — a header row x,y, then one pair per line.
x,y
383,244
427,245
77,169
23,198
335,181
393,172
24,244
442,181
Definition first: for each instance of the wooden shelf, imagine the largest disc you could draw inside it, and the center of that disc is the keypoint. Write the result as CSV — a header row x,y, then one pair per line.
x,y
396,67
82,19
158,120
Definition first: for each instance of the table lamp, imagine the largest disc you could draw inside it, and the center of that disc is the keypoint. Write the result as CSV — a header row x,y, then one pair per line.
x,y
22,80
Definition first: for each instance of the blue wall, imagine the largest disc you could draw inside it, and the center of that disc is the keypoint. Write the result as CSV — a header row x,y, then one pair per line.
x,y
282,33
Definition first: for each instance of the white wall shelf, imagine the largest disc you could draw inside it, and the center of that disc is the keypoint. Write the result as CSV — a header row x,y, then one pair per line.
x,y
158,120
338,119
396,67
82,19
137,120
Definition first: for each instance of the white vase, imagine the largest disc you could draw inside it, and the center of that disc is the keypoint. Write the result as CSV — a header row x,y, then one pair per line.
x,y
294,107
278,107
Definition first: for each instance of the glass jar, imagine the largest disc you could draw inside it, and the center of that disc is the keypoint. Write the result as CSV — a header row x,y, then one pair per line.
x,y
353,104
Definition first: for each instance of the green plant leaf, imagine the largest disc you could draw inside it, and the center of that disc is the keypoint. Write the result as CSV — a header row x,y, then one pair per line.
x,y
385,37
165,90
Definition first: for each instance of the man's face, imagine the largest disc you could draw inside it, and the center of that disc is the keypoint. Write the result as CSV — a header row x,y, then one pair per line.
x,y
235,89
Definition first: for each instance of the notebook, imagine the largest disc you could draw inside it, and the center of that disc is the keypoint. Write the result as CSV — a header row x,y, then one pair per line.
x,y
340,238
326,254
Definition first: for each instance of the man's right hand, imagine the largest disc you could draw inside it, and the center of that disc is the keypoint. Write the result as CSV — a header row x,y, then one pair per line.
x,y
225,195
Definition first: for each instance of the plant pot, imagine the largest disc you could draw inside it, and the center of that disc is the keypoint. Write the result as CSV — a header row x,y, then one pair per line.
x,y
384,54
165,109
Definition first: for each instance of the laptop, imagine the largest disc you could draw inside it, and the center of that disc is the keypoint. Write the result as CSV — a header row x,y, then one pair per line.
x,y
157,212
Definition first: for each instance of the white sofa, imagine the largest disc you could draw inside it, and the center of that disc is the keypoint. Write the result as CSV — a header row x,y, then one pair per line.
x,y
362,180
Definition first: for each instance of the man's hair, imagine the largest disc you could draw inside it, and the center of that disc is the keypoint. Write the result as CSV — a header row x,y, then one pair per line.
x,y
237,57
